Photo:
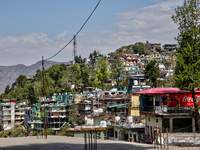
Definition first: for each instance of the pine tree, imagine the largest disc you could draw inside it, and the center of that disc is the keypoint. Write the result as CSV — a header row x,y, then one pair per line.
x,y
187,69
151,72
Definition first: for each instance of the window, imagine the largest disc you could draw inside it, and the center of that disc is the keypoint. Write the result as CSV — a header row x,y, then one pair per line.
x,y
115,134
118,102
149,119
156,120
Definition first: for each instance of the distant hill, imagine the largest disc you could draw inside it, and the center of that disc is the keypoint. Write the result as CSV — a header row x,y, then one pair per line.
x,y
8,74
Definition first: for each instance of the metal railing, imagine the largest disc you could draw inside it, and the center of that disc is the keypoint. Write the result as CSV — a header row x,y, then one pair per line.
x,y
164,109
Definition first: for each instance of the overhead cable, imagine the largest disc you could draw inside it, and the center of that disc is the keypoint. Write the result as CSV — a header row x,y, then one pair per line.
x,y
75,34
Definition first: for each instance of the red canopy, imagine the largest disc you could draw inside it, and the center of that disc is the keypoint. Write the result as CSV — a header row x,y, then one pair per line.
x,y
162,91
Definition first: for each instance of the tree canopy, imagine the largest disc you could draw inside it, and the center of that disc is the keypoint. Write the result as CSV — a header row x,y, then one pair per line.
x,y
117,69
187,69
152,73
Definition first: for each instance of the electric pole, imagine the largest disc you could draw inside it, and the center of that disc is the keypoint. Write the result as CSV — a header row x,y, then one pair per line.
x,y
45,125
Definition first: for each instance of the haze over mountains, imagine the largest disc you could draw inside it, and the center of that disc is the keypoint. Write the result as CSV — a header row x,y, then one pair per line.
x,y
8,74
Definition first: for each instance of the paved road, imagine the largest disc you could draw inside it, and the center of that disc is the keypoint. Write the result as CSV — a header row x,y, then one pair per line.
x,y
69,143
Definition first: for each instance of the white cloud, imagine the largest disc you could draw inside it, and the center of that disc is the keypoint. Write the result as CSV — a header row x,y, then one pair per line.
x,y
152,23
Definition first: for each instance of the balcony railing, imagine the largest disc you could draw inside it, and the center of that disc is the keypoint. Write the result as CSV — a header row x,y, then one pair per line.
x,y
6,118
120,96
164,109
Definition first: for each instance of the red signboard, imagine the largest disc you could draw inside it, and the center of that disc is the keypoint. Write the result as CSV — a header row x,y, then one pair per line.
x,y
185,100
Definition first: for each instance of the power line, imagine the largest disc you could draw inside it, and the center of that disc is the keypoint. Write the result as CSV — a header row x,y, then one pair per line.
x,y
75,34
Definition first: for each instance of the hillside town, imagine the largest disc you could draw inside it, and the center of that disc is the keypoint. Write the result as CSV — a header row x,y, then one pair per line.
x,y
134,112
144,95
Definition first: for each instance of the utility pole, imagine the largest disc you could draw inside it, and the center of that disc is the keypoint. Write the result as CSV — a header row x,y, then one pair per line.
x,y
45,125
75,49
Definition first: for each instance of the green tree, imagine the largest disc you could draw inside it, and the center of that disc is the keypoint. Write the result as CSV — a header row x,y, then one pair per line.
x,y
85,75
28,93
152,72
21,81
140,48
65,82
7,89
56,72
117,69
102,74
158,49
187,69
75,75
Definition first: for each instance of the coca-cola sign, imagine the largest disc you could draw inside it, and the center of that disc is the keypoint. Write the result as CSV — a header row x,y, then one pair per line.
x,y
186,100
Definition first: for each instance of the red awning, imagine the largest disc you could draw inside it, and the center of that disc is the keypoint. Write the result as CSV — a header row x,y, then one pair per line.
x,y
162,91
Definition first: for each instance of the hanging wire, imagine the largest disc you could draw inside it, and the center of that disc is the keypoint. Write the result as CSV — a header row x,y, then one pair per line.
x,y
75,34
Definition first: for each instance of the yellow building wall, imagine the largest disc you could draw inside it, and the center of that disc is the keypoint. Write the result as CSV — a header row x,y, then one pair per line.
x,y
134,109
135,100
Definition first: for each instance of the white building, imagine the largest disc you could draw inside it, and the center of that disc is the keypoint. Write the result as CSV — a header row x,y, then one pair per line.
x,y
12,113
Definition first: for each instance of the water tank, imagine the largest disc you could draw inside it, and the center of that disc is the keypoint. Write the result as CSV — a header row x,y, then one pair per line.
x,y
130,119
135,82
103,124
100,110
117,118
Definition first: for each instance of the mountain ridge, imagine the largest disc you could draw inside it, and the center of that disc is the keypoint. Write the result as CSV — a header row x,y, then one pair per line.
x,y
8,74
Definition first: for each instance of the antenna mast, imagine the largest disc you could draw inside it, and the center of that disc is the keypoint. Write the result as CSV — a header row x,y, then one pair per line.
x,y
75,49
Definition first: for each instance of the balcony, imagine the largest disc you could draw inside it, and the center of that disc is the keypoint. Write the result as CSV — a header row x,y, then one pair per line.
x,y
6,114
164,110
6,118
4,109
59,116
19,113
120,96
18,117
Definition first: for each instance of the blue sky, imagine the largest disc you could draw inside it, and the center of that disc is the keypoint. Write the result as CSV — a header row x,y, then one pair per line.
x,y
31,29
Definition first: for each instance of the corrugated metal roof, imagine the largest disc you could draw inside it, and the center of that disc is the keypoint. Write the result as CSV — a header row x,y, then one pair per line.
x,y
119,105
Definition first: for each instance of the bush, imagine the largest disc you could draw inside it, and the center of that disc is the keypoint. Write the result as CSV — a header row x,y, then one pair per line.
x,y
9,133
34,133
62,132
49,132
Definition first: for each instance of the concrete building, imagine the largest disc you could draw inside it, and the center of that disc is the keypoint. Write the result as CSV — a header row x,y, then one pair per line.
x,y
13,113
136,83
152,46
167,108
170,47
115,101
129,59
126,130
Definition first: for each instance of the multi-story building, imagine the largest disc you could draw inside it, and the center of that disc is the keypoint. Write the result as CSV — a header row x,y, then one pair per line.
x,y
137,83
13,113
129,59
115,101
170,47
167,108
152,46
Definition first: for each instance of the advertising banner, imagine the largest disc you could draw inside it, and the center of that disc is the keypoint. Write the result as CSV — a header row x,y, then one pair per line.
x,y
185,100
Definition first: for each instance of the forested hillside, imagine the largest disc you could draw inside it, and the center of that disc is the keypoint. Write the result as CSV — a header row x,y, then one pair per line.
x,y
8,74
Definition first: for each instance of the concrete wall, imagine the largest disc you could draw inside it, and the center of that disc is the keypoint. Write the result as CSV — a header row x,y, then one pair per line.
x,y
12,114
152,121
121,131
